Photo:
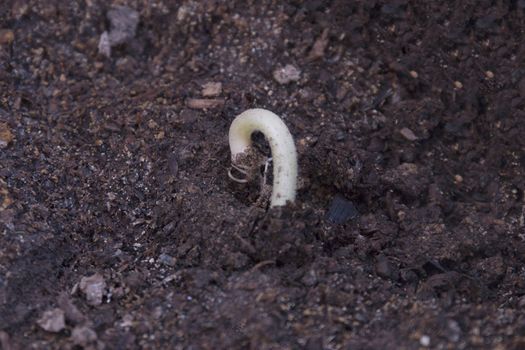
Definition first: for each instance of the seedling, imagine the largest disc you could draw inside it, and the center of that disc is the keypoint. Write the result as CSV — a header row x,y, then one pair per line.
x,y
246,160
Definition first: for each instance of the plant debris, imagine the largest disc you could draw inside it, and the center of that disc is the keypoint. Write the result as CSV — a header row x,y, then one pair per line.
x,y
6,137
200,103
7,36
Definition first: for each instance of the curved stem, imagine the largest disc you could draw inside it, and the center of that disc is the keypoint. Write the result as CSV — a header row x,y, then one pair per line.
x,y
281,143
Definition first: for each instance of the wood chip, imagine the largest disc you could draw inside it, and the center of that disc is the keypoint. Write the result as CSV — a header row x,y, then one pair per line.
x,y
204,103
5,135
7,36
5,200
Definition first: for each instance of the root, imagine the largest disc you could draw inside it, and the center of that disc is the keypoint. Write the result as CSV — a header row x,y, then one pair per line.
x,y
242,171
249,165
265,173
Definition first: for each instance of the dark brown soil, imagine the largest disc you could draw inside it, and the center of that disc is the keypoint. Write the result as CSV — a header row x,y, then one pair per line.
x,y
114,168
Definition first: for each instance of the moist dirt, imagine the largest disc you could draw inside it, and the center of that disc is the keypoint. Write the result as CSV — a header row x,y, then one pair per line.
x,y
119,225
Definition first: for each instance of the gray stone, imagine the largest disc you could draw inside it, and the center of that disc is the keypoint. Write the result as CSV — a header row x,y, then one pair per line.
x,y
52,320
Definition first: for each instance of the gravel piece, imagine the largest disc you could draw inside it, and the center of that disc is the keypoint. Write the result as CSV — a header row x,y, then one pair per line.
x,y
408,134
167,259
211,89
52,321
93,287
287,74
124,21
83,336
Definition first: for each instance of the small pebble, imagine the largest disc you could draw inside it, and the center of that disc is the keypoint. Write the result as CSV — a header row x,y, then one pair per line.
x,y
489,74
340,136
52,321
83,336
211,89
287,74
124,22
424,340
458,178
310,278
167,259
458,85
152,124
454,331
408,134
93,287
104,45
413,74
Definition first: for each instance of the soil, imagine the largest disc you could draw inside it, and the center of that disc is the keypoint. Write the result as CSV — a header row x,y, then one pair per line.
x,y
119,225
